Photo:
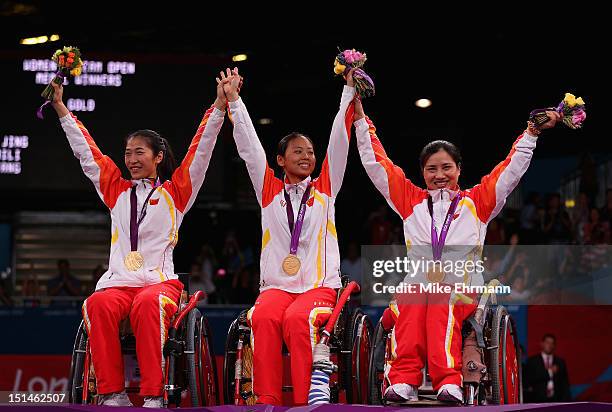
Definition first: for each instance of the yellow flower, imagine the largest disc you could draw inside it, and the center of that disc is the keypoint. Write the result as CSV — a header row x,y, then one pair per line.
x,y
76,71
570,99
579,101
339,68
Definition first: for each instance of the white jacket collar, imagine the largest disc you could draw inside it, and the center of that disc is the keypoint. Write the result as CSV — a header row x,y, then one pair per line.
x,y
442,194
301,186
147,183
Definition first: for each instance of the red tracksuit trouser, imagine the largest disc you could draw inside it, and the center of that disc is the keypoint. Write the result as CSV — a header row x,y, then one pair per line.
x,y
296,319
150,309
428,330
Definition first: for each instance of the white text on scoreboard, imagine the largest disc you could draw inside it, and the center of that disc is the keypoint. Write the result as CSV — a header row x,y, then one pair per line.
x,y
95,74
10,154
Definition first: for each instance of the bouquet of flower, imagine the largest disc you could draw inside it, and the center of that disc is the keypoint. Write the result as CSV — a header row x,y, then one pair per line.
x,y
352,59
68,62
571,110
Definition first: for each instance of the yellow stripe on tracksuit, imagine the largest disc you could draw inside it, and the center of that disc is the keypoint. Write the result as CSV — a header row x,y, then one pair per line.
x,y
387,367
319,263
250,322
450,326
265,239
163,302
174,230
86,318
314,330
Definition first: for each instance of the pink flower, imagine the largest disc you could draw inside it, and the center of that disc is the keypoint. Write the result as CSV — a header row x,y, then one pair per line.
x,y
579,117
348,56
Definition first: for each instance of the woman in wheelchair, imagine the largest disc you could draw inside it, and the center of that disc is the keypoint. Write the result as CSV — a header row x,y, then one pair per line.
x,y
146,212
428,329
300,258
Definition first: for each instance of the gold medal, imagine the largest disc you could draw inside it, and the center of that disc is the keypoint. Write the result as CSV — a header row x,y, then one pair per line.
x,y
133,261
436,275
291,265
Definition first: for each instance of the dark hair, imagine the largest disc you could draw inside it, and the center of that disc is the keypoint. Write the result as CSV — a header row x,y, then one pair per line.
x,y
63,262
284,142
158,144
437,145
549,335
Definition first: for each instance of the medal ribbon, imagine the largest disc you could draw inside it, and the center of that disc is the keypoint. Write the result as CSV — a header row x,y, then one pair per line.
x,y
437,243
296,228
134,222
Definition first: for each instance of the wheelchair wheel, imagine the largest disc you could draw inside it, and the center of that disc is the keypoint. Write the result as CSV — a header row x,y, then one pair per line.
x,y
505,365
201,371
376,368
358,342
238,333
75,379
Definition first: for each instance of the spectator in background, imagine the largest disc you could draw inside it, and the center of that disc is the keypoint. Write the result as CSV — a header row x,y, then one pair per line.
x,y
30,287
202,272
588,176
96,274
529,219
232,262
496,234
596,236
606,211
245,285
596,231
545,375
540,237
557,224
351,264
5,299
64,284
580,216
520,292
379,226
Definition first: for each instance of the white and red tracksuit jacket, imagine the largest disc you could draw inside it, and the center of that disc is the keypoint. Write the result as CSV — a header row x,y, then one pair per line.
x,y
318,243
436,329
158,232
477,207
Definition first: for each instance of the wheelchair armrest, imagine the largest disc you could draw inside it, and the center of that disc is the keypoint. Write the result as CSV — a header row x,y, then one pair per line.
x,y
193,301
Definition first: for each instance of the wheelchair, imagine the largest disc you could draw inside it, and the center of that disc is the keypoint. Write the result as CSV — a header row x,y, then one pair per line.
x,y
491,362
349,348
190,361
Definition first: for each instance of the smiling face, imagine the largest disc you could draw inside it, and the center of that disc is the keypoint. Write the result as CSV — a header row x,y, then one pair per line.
x,y
441,172
299,159
140,159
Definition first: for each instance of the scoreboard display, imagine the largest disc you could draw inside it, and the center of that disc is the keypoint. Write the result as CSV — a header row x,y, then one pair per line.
x,y
115,95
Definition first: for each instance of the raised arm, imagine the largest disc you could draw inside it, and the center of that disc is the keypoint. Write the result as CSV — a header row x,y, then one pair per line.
x,y
99,168
187,179
334,164
389,179
249,147
490,195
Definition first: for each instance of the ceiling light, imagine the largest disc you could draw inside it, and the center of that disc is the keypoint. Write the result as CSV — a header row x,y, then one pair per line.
x,y
34,40
423,103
